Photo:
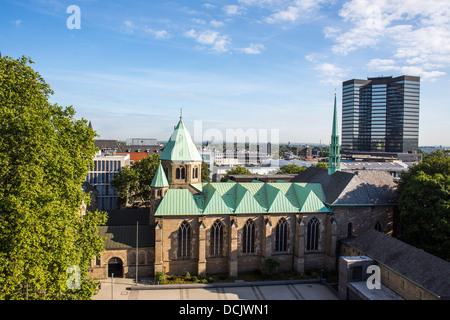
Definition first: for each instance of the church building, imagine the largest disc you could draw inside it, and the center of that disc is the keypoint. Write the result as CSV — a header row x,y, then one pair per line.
x,y
233,227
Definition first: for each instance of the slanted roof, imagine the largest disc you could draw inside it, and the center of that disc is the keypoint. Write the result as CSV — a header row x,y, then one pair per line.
x,y
160,179
243,198
124,237
420,267
120,229
180,146
177,202
365,187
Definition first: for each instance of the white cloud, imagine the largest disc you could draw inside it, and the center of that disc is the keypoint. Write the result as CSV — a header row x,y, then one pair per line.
x,y
233,10
159,34
216,23
417,33
330,73
389,65
214,39
17,22
253,48
286,10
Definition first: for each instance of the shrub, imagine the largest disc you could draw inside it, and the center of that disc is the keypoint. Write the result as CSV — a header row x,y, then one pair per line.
x,y
271,266
159,276
194,278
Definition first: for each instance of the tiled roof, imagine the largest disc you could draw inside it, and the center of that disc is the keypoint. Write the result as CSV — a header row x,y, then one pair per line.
x,y
124,237
420,267
365,187
242,198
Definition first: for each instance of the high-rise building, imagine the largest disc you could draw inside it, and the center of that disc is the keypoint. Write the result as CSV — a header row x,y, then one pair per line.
x,y
381,114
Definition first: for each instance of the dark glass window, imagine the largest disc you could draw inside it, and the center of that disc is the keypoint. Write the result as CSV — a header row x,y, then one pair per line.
x,y
312,235
184,240
216,239
281,236
248,237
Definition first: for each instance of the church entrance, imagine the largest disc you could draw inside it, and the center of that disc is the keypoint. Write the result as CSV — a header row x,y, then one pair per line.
x,y
115,266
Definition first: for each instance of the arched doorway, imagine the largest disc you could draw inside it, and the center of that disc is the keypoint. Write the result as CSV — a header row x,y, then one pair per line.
x,y
115,266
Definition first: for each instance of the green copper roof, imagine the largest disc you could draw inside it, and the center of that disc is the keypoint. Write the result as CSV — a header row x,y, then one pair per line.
x,y
243,198
334,158
177,202
160,179
180,146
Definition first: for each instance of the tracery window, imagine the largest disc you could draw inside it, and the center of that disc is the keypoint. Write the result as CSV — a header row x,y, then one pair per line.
x,y
248,237
312,235
184,240
216,239
281,236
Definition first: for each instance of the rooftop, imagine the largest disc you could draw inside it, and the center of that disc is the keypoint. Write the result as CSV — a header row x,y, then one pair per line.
x,y
242,198
420,267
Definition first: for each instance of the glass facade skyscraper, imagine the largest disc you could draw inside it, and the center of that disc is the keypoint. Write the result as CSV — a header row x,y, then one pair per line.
x,y
381,114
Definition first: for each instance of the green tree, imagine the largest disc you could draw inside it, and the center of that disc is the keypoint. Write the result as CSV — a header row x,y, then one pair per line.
x,y
238,170
291,168
320,164
424,203
205,172
132,183
45,155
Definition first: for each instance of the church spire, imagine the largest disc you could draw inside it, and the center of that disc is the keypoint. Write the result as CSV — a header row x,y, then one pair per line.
x,y
334,160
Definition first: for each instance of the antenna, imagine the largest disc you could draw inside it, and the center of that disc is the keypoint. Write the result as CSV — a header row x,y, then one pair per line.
x,y
181,113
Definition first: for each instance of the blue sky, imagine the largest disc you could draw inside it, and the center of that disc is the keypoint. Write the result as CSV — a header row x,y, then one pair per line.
x,y
244,64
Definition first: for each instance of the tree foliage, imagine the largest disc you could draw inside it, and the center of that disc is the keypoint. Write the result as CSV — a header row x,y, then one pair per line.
x,y
45,154
424,203
291,168
205,172
132,183
235,171
320,164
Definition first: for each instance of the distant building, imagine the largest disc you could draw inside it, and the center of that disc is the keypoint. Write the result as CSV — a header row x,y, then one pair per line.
x,y
381,114
142,142
106,166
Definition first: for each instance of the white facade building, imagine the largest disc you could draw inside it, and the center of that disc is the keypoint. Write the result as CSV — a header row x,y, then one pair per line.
x,y
106,166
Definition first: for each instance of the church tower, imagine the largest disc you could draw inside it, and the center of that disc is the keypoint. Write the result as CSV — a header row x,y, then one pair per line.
x,y
180,159
159,187
334,160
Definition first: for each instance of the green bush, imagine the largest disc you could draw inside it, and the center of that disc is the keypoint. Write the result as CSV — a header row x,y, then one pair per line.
x,y
159,276
271,266
194,279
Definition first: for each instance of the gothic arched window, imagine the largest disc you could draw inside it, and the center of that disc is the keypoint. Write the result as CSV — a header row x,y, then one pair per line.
x,y
184,240
183,173
178,173
248,237
216,239
281,236
312,235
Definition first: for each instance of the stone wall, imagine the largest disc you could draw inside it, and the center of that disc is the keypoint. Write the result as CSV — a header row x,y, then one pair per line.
x,y
233,259
99,267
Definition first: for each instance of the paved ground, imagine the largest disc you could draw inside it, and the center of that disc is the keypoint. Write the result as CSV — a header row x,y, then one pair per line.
x,y
120,289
